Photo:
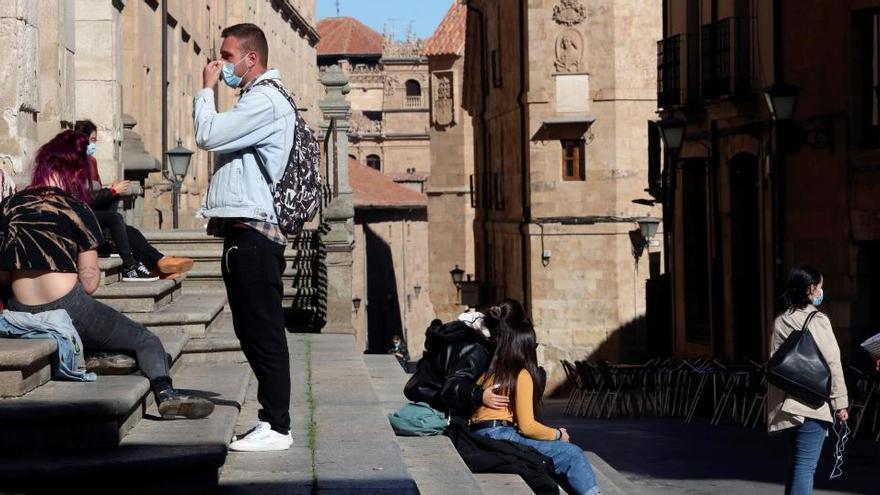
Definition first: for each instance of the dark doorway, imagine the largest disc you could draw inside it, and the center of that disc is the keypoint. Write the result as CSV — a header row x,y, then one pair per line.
x,y
865,312
383,308
745,254
695,210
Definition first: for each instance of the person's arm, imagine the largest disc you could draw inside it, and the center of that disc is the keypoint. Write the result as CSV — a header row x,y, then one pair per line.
x,y
524,411
460,389
87,270
250,121
824,336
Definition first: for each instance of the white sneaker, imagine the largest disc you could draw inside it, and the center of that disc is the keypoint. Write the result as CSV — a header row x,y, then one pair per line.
x,y
261,425
262,440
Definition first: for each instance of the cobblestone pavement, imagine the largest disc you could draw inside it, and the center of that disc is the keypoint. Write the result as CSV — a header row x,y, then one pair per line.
x,y
668,457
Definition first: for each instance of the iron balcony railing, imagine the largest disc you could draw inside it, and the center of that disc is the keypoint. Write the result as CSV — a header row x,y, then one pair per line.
x,y
678,77
726,59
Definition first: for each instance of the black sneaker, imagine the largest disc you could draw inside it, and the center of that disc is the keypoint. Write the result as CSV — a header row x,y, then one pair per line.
x,y
138,273
175,405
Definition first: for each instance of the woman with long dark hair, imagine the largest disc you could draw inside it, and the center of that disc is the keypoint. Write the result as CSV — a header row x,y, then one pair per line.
x,y
48,242
141,262
806,425
514,373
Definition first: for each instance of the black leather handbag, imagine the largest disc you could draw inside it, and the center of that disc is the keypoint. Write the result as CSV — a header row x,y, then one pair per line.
x,y
799,369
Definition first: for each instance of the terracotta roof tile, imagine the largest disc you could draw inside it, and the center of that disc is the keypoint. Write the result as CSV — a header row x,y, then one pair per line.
x,y
347,36
448,39
375,189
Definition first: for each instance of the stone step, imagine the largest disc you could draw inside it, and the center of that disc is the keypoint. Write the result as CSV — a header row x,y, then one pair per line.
x,y
64,415
219,343
140,297
290,293
210,262
169,457
354,447
25,364
208,279
60,416
169,240
190,314
111,270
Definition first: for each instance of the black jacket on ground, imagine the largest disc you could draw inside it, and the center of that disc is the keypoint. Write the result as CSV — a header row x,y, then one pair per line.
x,y
446,378
487,455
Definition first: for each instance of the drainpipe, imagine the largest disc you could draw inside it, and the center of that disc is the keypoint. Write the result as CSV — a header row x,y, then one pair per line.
x,y
524,153
778,172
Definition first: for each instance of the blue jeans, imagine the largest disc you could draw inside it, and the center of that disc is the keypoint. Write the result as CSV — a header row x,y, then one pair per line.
x,y
568,459
806,445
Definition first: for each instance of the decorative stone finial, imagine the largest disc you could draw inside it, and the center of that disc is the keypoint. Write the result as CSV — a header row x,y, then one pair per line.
x,y
335,82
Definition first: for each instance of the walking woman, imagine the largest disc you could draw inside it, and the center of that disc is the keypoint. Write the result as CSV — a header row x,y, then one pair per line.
x,y
48,242
807,426
513,372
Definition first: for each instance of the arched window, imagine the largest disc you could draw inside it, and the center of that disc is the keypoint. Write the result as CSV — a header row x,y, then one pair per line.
x,y
413,94
413,88
374,162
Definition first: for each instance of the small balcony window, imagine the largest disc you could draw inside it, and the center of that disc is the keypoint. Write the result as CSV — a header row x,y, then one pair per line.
x,y
374,162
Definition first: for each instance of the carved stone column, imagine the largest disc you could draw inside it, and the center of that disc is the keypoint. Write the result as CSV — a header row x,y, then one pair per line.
x,y
339,214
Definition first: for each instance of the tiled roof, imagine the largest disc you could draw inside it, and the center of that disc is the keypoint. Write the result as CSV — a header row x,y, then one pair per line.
x,y
373,189
347,36
448,39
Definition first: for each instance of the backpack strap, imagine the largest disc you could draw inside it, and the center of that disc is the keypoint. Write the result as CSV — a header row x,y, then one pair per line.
x,y
275,84
808,320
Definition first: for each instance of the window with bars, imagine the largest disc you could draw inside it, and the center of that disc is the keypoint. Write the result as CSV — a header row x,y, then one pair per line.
x,y
726,58
573,160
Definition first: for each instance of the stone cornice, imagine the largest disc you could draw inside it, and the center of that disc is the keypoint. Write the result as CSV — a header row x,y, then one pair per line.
x,y
298,21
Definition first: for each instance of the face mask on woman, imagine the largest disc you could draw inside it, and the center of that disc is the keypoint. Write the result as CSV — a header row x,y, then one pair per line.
x,y
818,299
91,149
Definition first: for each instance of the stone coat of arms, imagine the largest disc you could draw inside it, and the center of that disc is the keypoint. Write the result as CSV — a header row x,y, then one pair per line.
x,y
569,12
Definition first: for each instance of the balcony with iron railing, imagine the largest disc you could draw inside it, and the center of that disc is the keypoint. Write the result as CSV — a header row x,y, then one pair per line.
x,y
726,59
678,75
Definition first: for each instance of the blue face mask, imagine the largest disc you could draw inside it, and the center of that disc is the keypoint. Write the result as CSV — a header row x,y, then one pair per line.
x,y
818,299
228,74
91,148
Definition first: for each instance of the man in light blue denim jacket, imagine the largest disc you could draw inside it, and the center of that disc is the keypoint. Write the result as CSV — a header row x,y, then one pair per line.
x,y
240,207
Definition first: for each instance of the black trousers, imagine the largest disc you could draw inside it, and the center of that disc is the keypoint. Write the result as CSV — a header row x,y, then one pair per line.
x,y
130,242
252,266
102,328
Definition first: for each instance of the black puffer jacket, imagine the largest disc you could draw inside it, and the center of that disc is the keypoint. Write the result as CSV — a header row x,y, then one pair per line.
x,y
446,378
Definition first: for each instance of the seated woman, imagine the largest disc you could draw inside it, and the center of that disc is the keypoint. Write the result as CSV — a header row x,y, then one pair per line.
x,y
514,372
141,262
48,242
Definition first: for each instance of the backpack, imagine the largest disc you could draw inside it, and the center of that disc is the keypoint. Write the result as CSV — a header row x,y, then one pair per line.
x,y
297,196
417,419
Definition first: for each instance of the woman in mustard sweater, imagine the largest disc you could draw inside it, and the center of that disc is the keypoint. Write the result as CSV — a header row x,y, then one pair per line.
x,y
513,373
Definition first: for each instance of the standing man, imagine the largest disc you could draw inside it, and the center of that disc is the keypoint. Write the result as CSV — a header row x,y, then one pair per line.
x,y
240,207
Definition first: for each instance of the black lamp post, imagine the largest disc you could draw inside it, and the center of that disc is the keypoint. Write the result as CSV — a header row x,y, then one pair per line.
x,y
648,228
781,99
457,276
672,133
179,158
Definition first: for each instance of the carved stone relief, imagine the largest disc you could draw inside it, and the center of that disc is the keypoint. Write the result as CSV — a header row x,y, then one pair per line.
x,y
391,83
444,100
569,12
569,51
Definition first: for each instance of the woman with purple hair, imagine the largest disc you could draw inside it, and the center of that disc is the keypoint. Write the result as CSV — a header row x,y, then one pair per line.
x,y
48,254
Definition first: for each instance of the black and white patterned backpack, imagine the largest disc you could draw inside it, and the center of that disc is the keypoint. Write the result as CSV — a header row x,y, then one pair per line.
x,y
297,196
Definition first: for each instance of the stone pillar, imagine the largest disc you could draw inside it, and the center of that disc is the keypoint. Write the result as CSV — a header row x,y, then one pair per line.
x,y
339,214
19,92
98,65
56,58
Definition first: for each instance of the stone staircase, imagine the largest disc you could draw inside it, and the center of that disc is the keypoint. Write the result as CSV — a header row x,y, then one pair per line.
x,y
107,437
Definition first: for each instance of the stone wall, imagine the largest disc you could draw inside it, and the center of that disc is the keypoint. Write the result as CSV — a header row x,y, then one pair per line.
x,y
584,61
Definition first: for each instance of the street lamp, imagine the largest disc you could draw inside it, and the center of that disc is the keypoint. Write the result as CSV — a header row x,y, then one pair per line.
x,y
356,304
457,275
781,99
179,158
672,132
648,228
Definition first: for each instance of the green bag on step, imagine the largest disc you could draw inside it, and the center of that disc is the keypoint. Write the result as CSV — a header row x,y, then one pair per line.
x,y
418,419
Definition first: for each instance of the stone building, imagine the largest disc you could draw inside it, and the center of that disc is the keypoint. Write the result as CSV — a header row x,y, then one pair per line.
x,y
390,272
103,59
450,213
389,81
748,196
560,93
